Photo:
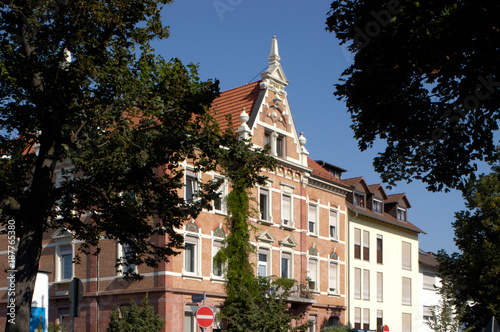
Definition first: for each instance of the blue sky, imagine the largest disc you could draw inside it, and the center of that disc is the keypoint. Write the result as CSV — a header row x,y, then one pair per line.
x,y
231,40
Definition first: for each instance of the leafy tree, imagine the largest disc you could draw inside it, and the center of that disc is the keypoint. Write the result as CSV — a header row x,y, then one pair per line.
x,y
446,316
472,274
135,319
424,80
57,328
252,304
81,89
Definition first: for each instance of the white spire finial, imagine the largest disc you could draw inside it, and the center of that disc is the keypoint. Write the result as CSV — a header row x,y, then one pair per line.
x,y
274,56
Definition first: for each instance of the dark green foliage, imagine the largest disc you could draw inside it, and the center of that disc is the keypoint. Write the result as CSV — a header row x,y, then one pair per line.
x,y
339,328
123,117
252,304
424,80
472,275
57,328
135,319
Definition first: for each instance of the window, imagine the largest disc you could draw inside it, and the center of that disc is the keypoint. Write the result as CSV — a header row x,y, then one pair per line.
x,y
264,204
313,215
357,243
280,146
267,139
286,210
262,265
333,225
429,282
64,262
125,267
406,256
286,265
219,201
401,214
357,318
366,245
406,291
190,254
406,322
312,274
380,243
366,319
189,324
191,185
64,318
377,206
366,284
380,320
333,277
312,324
380,287
217,267
359,200
427,312
357,284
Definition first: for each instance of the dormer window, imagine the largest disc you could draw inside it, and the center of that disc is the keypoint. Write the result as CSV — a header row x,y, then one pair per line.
x,y
401,214
359,200
377,206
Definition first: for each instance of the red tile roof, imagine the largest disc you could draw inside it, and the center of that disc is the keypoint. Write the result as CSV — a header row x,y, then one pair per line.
x,y
387,218
319,171
427,258
232,102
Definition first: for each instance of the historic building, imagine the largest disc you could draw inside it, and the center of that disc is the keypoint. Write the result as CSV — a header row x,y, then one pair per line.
x,y
301,232
349,245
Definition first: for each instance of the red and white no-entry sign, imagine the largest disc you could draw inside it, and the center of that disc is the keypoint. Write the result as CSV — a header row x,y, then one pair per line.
x,y
205,316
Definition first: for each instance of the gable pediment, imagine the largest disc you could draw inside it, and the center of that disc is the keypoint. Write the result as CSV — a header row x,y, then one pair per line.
x,y
288,242
265,237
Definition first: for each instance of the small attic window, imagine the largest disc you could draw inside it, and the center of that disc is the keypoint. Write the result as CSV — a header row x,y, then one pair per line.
x,y
359,200
276,142
377,205
401,214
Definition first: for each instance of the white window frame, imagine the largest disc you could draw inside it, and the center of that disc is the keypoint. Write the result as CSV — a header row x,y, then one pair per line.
x,y
121,255
333,223
191,179
223,195
195,240
310,274
357,284
378,202
267,192
60,258
312,219
335,264
267,263
287,222
290,263
216,245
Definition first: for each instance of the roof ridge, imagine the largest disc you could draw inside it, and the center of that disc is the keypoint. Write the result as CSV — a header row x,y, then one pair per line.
x,y
241,86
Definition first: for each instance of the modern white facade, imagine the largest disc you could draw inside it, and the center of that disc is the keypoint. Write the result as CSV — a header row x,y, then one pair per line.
x,y
383,261
429,282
